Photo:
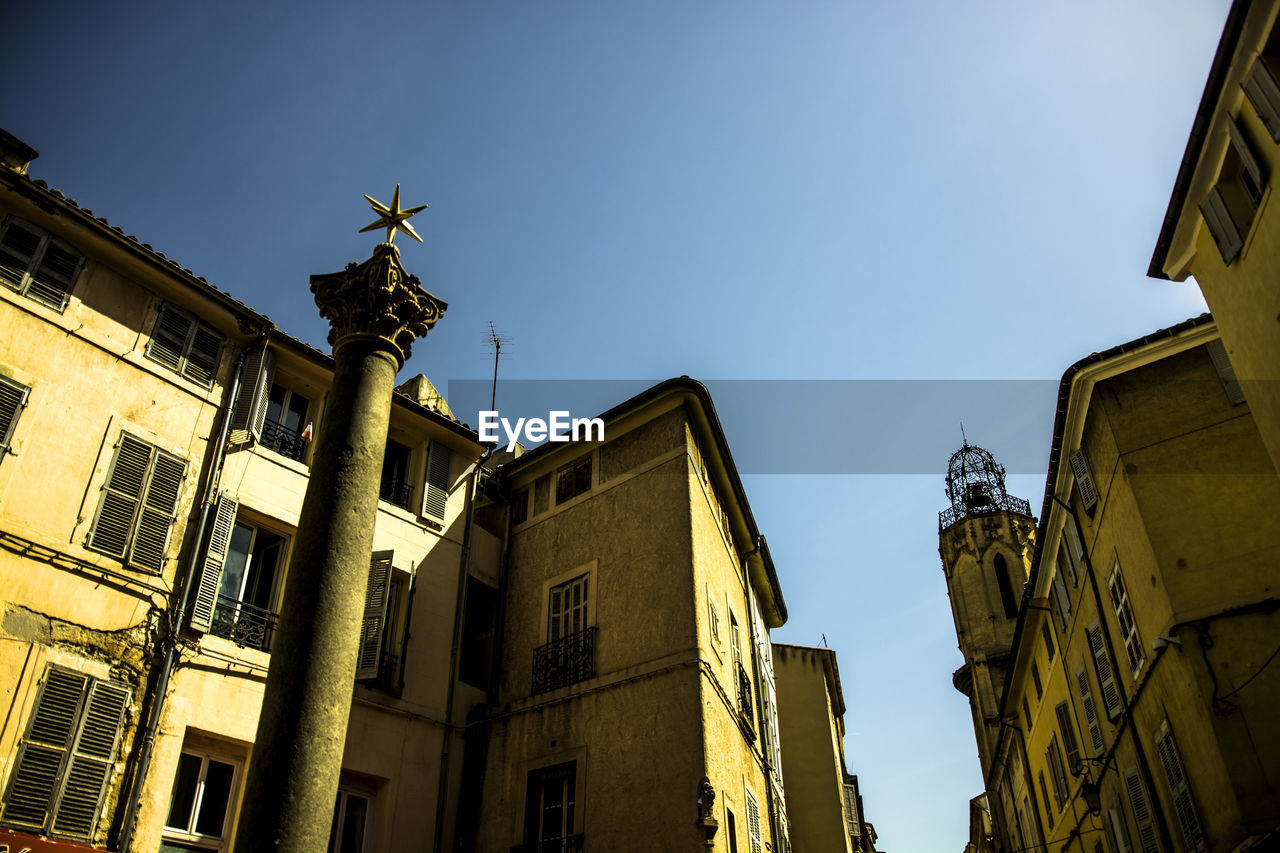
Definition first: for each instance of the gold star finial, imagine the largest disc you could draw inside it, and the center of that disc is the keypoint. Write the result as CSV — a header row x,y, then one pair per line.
x,y
393,218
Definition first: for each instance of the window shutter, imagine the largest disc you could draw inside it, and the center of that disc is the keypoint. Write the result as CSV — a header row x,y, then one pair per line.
x,y
1226,373
1062,599
1221,226
1044,794
30,799
169,338
1106,678
1252,168
1084,481
121,497
1065,566
1148,839
18,249
1090,712
201,364
375,614
1117,830
1261,88
1175,775
753,823
52,279
13,398
158,511
1053,759
1074,547
436,494
215,557
91,760
1069,742
250,409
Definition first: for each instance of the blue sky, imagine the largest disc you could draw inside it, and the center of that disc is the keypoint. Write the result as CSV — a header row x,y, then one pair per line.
x,y
750,190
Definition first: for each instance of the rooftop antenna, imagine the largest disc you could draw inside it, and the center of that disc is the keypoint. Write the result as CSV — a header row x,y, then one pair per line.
x,y
824,641
963,437
496,341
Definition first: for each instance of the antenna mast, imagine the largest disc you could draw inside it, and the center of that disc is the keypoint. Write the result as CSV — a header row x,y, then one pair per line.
x,y
496,341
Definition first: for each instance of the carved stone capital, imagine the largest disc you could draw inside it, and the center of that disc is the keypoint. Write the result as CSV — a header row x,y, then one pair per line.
x,y
377,299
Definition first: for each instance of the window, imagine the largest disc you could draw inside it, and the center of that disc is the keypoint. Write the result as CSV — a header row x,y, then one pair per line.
x,y
1053,760
1102,667
1090,712
1124,616
713,623
185,345
1069,742
435,494
1084,481
568,656
271,412
284,427
573,479
1026,713
1117,829
395,487
1007,598
549,809
731,827
520,507
568,610
13,399
1035,678
36,265
1044,795
1176,777
201,803
1148,837
350,821
478,623
1066,566
67,755
379,655
1047,633
138,505
753,825
1230,206
1261,87
1226,373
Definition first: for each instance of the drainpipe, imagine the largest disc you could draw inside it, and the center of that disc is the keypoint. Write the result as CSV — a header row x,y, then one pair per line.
x,y
468,509
143,755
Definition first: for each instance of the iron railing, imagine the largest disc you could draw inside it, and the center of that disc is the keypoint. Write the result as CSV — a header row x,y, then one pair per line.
x,y
567,844
283,440
388,677
565,661
745,704
243,624
1007,503
396,492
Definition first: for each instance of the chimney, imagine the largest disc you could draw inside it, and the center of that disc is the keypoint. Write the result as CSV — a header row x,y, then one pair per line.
x,y
15,154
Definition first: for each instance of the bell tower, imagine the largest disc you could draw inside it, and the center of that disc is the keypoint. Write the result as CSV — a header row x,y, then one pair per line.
x,y
984,539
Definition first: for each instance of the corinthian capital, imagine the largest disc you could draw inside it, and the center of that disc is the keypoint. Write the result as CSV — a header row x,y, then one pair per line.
x,y
377,299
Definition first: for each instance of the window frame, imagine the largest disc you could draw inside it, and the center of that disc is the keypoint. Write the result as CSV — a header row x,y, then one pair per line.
x,y
1125,620
535,809
188,835
345,794
179,361
35,262
115,492
571,480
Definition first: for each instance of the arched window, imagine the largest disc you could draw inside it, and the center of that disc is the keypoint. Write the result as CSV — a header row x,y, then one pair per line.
x,y
1006,588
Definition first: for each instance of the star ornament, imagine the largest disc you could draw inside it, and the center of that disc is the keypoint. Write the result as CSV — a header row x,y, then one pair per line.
x,y
393,218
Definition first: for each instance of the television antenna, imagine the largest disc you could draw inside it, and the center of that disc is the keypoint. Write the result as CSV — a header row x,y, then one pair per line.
x,y
496,341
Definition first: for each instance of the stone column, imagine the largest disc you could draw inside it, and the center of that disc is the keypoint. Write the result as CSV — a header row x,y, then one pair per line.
x,y
376,311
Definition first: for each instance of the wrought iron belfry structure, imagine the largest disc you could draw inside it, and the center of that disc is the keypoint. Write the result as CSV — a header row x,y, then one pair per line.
x,y
975,486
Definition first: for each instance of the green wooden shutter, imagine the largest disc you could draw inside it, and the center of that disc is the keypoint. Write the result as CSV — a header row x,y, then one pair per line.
x,y
1148,838
1069,742
121,497
158,511
1090,712
1084,481
1106,677
91,760
33,788
1175,775
250,409
13,398
375,615
436,494
1221,226
215,557
54,275
169,338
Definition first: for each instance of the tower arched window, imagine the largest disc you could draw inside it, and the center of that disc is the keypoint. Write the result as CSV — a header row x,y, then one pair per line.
x,y
1006,587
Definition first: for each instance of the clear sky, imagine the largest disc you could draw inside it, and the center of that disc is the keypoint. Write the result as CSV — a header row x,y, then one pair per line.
x,y
808,190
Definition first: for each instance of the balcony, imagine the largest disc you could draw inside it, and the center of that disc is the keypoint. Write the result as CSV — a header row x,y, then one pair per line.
x,y
283,440
565,661
567,844
983,505
396,492
388,677
243,624
745,704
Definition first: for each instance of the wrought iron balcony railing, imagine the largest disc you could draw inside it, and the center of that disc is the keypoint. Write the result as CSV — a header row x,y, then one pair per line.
x,y
396,492
283,440
567,844
565,661
388,677
745,704
1007,503
243,624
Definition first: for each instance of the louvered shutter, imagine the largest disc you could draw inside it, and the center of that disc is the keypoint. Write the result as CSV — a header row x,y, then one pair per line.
x,y
1117,829
53,277
1148,838
1263,91
215,557
1084,481
13,397
1090,712
169,338
201,364
1106,677
1074,546
1044,795
121,497
1053,760
250,409
18,249
375,615
158,511
1069,742
1175,775
1221,226
1252,168
1066,567
1062,599
1226,373
753,824
436,494
91,760
29,802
